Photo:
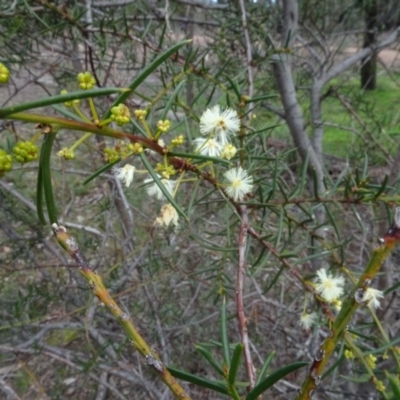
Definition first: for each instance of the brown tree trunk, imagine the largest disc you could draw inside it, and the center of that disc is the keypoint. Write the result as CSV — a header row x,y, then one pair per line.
x,y
368,65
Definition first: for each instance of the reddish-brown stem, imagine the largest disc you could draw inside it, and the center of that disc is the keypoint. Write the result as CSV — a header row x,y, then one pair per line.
x,y
243,232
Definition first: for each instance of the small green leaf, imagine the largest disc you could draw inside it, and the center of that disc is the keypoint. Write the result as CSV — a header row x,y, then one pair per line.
x,y
224,334
145,73
395,385
157,180
102,169
45,184
207,355
382,188
356,379
199,157
61,98
262,130
260,98
172,99
65,112
216,387
235,363
264,367
234,86
273,378
39,196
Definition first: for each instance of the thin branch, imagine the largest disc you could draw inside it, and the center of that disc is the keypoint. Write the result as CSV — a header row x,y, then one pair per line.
x,y
342,66
8,390
249,51
203,4
242,244
69,244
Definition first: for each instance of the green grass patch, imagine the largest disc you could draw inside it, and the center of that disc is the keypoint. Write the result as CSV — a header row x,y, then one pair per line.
x,y
376,113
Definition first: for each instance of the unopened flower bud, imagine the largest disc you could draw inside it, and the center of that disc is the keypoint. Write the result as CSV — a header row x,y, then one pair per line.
x,y
66,153
120,114
86,80
5,162
69,103
25,152
4,73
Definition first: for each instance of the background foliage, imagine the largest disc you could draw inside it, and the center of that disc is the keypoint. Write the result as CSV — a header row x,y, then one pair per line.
x,y
56,341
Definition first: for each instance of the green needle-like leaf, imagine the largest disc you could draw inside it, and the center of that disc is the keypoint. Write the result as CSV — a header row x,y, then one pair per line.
x,y
44,181
235,363
224,334
207,355
216,387
39,196
234,86
102,169
62,98
395,385
382,187
260,98
172,99
145,73
199,157
273,378
264,367
157,180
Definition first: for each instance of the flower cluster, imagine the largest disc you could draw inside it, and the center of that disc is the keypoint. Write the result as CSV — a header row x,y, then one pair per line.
x,y
328,286
135,148
239,183
5,162
371,361
371,298
66,153
208,147
218,126
125,174
378,384
120,114
167,215
25,152
349,354
166,170
86,80
164,126
111,155
228,151
69,103
4,73
153,189
307,320
179,140
140,114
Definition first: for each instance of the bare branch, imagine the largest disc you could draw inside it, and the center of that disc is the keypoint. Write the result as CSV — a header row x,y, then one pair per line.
x,y
242,244
203,4
249,51
342,66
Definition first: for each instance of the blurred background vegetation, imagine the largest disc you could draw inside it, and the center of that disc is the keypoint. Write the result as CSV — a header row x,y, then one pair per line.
x,y
56,341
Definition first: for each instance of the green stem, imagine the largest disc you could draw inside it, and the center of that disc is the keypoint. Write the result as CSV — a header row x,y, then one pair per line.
x,y
80,140
350,305
95,282
81,114
93,109
386,338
